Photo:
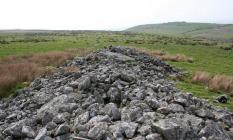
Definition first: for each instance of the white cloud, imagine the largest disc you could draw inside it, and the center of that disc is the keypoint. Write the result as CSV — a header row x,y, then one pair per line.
x,y
108,14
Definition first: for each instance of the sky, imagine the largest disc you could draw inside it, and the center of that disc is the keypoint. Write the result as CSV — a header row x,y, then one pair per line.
x,y
109,14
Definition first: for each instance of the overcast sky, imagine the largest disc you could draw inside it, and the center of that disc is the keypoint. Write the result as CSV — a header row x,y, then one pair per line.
x,y
109,14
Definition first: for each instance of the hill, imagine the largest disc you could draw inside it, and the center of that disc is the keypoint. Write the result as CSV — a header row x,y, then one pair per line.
x,y
209,30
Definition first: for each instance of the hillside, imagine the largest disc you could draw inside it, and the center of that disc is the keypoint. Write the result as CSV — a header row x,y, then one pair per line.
x,y
208,30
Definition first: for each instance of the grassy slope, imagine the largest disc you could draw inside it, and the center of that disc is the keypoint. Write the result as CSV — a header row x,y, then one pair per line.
x,y
211,59
216,31
219,32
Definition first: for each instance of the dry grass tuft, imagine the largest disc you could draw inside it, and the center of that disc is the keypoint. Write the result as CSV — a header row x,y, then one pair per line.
x,y
153,53
12,74
79,51
18,69
43,59
216,82
201,77
221,82
165,56
176,58
72,69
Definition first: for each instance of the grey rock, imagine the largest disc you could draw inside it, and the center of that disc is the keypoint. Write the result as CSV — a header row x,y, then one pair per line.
x,y
175,108
131,114
99,118
117,56
172,128
41,97
112,111
62,129
15,129
47,117
28,131
3,115
11,116
204,113
224,117
61,118
42,134
213,130
68,90
69,107
154,136
138,138
54,105
114,95
152,102
64,137
83,118
74,84
98,131
84,83
51,126
145,130
127,128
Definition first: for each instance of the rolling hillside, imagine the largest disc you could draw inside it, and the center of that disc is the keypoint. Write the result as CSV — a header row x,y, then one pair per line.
x,y
209,30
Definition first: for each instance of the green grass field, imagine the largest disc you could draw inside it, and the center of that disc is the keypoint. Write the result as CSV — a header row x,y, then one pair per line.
x,y
208,55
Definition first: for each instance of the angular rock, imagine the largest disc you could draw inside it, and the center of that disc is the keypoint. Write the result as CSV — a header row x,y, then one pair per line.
x,y
145,129
98,131
84,83
154,136
174,108
172,128
28,132
15,129
42,134
68,90
117,56
121,128
112,111
51,126
114,95
62,129
213,130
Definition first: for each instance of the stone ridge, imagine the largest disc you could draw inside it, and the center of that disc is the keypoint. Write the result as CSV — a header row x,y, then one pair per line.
x,y
118,94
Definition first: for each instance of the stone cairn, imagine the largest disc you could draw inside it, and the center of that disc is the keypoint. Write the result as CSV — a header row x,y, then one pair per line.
x,y
117,94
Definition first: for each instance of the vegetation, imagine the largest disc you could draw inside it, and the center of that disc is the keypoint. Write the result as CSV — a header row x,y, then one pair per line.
x,y
188,54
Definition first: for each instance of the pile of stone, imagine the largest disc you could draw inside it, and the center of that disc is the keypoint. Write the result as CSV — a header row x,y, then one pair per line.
x,y
118,93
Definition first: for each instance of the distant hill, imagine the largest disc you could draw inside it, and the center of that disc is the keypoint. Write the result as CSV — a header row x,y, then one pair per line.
x,y
209,30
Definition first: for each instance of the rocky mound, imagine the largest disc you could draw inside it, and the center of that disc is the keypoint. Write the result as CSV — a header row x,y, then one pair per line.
x,y
118,93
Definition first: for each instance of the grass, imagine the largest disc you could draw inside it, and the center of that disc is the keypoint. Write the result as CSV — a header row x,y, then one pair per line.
x,y
207,55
